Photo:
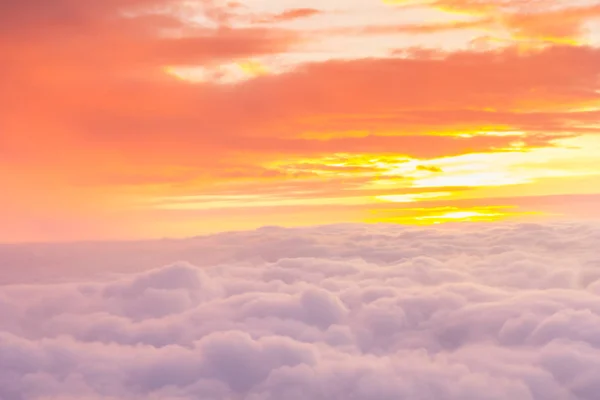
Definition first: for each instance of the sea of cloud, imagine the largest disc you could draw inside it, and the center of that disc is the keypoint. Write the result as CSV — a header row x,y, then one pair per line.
x,y
348,312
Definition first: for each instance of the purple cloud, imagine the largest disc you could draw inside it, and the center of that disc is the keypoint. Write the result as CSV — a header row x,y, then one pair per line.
x,y
337,312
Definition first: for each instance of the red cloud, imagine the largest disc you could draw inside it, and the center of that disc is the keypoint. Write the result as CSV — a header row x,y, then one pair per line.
x,y
289,15
398,101
92,86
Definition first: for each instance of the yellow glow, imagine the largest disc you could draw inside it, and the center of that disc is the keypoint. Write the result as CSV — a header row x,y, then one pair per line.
x,y
253,68
410,198
570,158
491,132
230,72
375,177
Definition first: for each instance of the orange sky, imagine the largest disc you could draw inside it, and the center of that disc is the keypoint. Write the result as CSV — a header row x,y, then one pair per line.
x,y
124,119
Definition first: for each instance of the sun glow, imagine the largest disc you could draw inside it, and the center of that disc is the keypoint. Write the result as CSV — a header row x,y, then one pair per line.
x,y
463,216
439,215
411,198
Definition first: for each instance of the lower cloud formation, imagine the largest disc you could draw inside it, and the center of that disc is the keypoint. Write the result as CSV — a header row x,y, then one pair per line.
x,y
363,312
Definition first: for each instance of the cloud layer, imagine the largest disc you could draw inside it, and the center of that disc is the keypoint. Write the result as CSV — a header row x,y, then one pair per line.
x,y
335,312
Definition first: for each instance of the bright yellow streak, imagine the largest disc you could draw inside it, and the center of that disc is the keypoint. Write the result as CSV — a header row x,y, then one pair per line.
x,y
410,198
461,215
489,132
438,215
341,165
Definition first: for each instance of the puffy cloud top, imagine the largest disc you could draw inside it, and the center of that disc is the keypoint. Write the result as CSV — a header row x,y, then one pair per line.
x,y
365,312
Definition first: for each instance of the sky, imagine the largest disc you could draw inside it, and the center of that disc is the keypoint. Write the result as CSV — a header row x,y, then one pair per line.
x,y
132,119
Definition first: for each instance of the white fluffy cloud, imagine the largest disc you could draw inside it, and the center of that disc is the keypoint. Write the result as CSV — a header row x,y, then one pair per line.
x,y
363,312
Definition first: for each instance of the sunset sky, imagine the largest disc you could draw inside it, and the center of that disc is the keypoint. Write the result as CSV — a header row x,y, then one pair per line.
x,y
127,119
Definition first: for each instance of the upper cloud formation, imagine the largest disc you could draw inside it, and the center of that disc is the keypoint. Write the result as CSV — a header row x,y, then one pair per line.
x,y
335,312
99,73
